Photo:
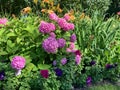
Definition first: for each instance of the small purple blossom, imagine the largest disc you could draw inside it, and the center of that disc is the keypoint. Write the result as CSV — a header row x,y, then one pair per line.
x,y
88,80
109,66
2,75
63,61
54,63
58,72
73,38
92,62
61,42
50,45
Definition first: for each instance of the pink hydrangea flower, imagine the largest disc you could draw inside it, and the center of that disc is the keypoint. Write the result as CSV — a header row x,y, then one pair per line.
x,y
50,45
71,47
53,16
77,59
67,17
3,21
46,27
18,62
73,38
52,34
62,22
61,42
63,61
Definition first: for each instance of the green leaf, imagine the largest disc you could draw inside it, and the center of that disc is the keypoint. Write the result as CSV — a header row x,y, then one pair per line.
x,y
44,66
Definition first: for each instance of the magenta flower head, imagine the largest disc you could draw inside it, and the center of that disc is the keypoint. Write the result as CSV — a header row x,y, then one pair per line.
x,y
62,22
46,27
88,80
71,47
67,17
118,13
44,73
63,61
50,45
61,42
3,21
18,63
2,75
73,38
68,27
77,59
53,16
52,34
77,52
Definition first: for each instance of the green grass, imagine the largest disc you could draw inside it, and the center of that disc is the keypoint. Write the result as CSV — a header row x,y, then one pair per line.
x,y
104,87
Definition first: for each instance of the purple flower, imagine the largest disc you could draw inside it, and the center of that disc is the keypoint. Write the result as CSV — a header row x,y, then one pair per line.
x,y
53,16
58,72
52,34
61,42
2,75
62,22
44,73
54,63
63,61
92,62
77,59
88,80
46,27
109,66
18,62
73,38
50,45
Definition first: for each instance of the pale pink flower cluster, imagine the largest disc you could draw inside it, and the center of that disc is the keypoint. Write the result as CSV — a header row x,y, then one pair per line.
x,y
67,17
3,21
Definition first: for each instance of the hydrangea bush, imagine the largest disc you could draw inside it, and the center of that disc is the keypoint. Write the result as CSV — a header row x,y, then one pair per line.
x,y
55,53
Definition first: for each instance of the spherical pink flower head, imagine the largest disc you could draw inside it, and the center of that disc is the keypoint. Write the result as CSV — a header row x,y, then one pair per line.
x,y
51,27
73,38
71,26
61,42
44,27
63,61
50,45
71,47
18,63
53,16
52,34
77,59
62,22
67,17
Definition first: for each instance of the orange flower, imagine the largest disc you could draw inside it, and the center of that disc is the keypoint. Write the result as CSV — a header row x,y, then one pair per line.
x,y
58,8
43,10
82,16
26,10
72,17
50,11
46,1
